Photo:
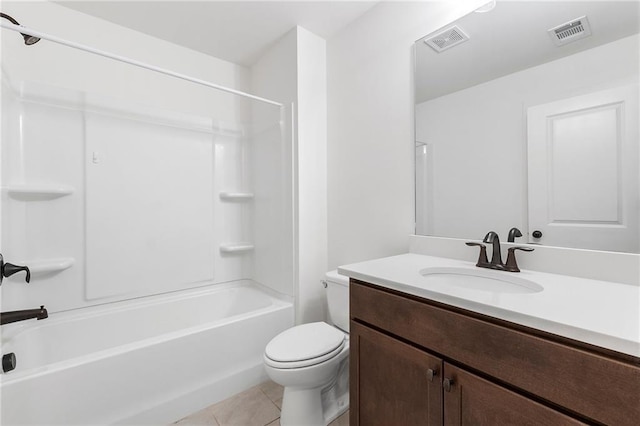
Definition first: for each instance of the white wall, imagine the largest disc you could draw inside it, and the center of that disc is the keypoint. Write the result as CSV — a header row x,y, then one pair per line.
x,y
370,152
478,136
370,127
294,71
312,174
78,70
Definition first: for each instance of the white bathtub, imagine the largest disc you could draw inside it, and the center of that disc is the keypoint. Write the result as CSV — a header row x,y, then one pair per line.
x,y
147,361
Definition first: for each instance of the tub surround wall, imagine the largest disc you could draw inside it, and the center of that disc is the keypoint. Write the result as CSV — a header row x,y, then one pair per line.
x,y
123,143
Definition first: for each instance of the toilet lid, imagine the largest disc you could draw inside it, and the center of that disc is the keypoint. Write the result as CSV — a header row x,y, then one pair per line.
x,y
305,342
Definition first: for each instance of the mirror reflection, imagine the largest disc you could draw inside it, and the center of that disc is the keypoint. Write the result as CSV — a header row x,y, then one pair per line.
x,y
527,117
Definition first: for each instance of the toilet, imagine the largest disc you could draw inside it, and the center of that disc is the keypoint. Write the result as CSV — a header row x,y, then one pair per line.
x,y
311,362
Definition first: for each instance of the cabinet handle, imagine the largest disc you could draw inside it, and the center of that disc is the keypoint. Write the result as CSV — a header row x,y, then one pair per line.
x,y
446,384
431,373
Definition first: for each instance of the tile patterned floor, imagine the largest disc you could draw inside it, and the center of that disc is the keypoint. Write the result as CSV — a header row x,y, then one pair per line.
x,y
258,406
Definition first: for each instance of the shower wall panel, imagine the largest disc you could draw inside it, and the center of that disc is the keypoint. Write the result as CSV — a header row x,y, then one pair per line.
x,y
149,220
185,189
42,201
141,208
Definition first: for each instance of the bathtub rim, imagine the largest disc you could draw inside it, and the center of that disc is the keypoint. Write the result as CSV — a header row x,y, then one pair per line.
x,y
277,303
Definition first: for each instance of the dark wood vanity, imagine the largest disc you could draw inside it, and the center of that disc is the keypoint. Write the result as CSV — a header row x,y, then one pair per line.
x,y
415,361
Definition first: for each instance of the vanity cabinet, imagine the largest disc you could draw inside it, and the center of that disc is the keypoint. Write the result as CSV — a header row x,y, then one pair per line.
x,y
418,362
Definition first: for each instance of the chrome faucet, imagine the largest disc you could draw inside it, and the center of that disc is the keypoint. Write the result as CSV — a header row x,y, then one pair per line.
x,y
15,316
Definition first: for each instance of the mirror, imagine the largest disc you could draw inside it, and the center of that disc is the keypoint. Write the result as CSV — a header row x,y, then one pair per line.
x,y
527,116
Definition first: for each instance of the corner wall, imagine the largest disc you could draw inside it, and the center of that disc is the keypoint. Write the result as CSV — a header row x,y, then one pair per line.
x,y
370,127
294,71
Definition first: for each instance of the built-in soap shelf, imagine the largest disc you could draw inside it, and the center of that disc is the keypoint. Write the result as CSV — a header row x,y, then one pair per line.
x,y
237,248
236,196
36,192
45,266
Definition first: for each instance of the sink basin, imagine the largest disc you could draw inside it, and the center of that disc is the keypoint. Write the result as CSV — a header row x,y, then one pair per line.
x,y
479,279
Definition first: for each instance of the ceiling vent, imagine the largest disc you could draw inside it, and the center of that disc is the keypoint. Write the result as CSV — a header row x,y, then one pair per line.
x,y
570,31
446,39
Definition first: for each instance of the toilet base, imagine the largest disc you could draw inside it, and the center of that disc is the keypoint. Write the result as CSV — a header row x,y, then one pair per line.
x,y
335,397
317,406
301,407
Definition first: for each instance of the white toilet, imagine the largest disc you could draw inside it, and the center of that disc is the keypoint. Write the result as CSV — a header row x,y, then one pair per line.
x,y
311,361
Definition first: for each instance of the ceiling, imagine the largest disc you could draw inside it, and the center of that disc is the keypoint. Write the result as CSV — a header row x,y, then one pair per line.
x,y
513,37
236,31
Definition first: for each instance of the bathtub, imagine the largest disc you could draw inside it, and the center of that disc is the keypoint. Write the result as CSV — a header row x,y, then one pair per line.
x,y
146,361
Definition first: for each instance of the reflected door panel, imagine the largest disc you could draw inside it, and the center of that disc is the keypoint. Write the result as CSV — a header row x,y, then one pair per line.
x,y
583,171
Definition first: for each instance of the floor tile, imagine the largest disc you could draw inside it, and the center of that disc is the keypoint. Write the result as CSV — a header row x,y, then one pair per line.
x,y
249,408
343,420
273,390
276,422
201,418
278,403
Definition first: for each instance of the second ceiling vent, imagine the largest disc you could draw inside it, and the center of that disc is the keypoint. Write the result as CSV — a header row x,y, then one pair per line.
x,y
570,31
446,39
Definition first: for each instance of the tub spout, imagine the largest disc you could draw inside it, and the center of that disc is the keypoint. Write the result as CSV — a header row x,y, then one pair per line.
x,y
15,316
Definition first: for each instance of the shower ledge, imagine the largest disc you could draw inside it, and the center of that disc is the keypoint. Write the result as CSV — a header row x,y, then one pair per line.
x,y
236,248
236,196
35,192
44,266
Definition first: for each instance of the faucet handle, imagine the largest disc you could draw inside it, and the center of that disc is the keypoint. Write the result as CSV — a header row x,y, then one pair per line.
x,y
513,234
8,269
482,257
512,265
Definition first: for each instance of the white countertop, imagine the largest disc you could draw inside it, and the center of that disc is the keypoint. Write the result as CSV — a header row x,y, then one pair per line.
x,y
601,313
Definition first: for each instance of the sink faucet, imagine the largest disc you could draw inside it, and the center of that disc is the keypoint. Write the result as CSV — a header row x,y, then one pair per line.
x,y
14,316
496,256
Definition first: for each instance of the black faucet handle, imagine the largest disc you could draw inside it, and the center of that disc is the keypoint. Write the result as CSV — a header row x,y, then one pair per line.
x,y
482,257
512,264
8,269
513,234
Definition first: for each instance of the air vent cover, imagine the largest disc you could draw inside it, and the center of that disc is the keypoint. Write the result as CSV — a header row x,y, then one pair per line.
x,y
570,31
446,39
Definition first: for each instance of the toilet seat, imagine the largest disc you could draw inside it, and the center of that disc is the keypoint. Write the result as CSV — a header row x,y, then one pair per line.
x,y
304,345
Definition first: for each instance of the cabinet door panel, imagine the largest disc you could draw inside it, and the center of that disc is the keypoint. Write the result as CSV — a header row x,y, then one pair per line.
x,y
390,383
598,387
478,402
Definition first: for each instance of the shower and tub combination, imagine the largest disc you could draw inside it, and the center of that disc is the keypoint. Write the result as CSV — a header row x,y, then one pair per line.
x,y
153,211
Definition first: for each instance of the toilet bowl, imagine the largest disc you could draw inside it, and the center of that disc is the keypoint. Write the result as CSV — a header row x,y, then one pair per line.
x,y
311,362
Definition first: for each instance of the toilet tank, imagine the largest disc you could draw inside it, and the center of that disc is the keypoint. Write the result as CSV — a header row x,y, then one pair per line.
x,y
337,293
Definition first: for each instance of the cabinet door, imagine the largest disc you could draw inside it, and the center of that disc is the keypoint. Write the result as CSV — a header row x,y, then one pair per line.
x,y
391,383
471,400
